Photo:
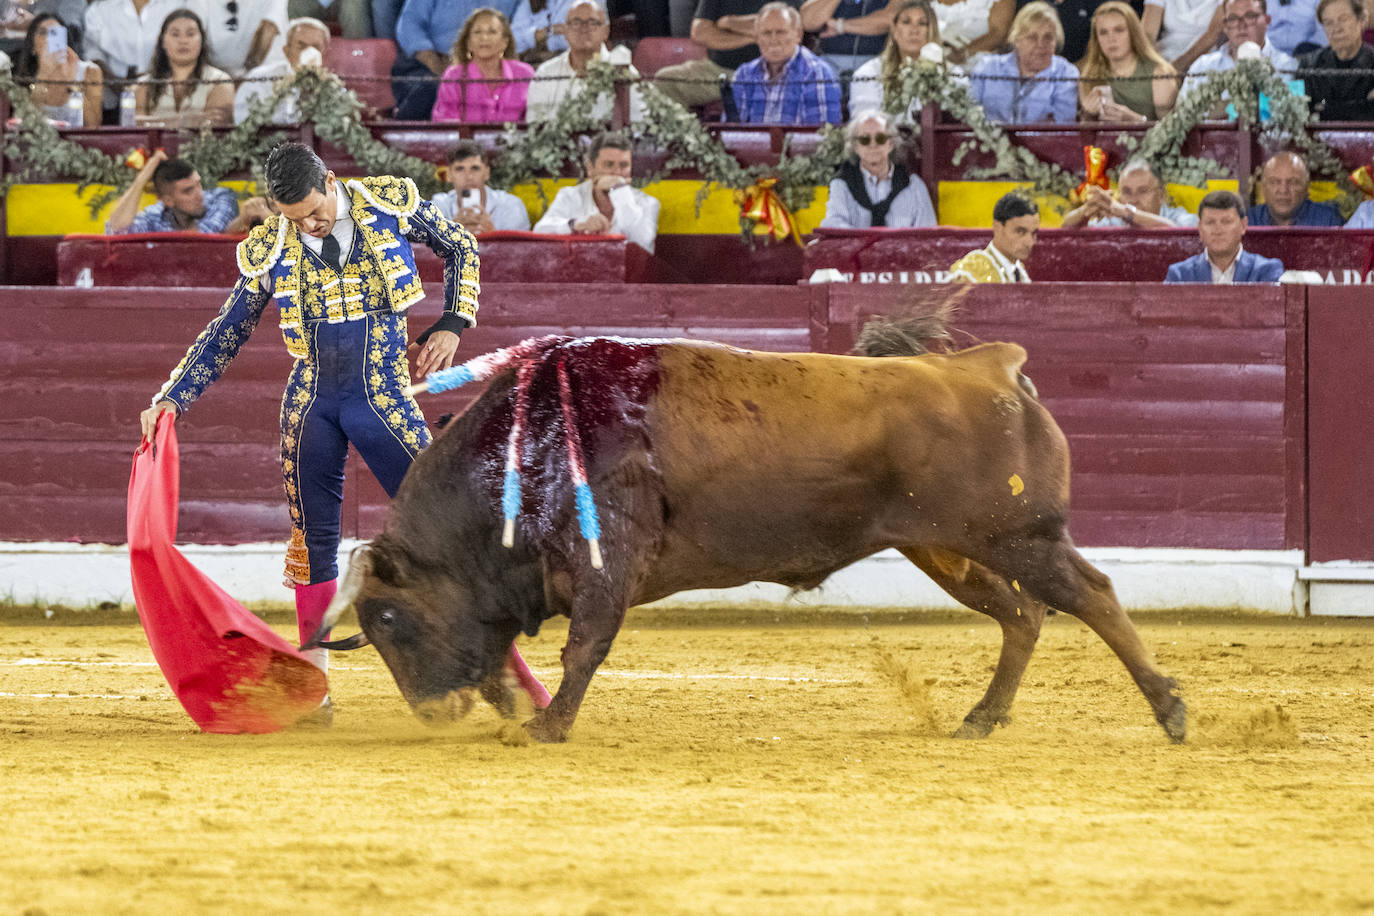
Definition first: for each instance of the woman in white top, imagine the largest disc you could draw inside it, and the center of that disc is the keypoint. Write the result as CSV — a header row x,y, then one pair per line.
x,y
54,77
182,89
913,27
973,27
1182,30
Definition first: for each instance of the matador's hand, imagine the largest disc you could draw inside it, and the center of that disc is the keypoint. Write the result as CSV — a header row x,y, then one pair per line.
x,y
437,353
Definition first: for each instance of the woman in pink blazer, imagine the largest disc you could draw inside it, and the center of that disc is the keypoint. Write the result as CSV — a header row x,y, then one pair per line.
x,y
485,83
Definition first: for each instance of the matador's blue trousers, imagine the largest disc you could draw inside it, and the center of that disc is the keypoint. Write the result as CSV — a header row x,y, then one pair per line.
x,y
349,390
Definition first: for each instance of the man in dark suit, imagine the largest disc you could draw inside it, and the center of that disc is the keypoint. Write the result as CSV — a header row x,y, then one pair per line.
x,y
1221,226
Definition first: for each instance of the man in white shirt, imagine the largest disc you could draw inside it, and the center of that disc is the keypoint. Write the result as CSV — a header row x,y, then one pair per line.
x,y
1140,202
472,203
604,203
121,36
1015,230
242,34
306,42
1242,21
586,29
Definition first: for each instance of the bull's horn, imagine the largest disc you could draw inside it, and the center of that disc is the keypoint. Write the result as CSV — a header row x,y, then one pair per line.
x,y
356,641
359,568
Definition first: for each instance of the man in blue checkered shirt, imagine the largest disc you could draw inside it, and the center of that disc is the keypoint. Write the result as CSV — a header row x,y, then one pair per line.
x,y
182,204
786,84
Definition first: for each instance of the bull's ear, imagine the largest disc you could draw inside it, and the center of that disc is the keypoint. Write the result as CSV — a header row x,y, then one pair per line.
x,y
388,565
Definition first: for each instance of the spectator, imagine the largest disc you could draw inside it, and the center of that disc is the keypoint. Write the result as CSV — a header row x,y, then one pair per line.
x,y
1242,21
306,43
1221,226
485,82
121,36
605,202
426,31
1015,230
384,16
1341,96
852,31
181,88
17,15
914,26
873,187
785,84
726,29
1363,217
242,33
1124,78
472,202
182,204
1140,202
1285,181
1075,18
972,28
1294,27
1031,83
353,16
52,78
539,34
1182,30
587,28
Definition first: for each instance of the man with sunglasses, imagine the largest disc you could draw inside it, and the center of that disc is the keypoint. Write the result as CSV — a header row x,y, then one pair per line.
x,y
1242,21
874,188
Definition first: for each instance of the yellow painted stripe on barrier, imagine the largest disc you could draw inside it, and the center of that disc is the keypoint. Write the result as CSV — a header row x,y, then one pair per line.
x,y
55,209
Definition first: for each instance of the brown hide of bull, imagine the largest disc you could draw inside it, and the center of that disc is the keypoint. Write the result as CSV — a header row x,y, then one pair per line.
x,y
713,467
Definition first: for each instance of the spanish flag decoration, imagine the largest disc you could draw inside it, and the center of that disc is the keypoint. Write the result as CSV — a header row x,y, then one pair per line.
x,y
762,205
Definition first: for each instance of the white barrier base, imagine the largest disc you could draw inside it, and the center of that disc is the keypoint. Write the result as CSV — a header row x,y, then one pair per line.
x,y
84,575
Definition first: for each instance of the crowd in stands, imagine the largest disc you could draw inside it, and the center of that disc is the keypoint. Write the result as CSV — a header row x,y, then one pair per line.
x,y
188,63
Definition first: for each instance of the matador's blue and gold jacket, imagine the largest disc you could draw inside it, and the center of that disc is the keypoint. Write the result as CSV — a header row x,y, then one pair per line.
x,y
380,276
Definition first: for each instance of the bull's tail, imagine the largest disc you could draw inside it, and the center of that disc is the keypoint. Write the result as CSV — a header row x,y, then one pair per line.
x,y
911,332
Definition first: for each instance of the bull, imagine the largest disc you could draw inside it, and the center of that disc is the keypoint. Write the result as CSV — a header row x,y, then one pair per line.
x,y
713,467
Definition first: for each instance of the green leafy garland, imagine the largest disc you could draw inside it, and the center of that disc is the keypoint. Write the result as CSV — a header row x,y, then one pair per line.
x,y
545,148
923,82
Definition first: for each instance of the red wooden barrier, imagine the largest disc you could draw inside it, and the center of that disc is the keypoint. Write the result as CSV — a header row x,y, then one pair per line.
x,y
177,259
1126,255
1340,424
1179,418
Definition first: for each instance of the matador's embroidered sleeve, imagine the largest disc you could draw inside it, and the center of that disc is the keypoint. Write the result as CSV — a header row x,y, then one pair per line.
x,y
458,248
218,344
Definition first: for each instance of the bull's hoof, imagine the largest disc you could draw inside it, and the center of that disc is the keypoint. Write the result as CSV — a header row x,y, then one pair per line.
x,y
499,694
545,731
977,725
1175,721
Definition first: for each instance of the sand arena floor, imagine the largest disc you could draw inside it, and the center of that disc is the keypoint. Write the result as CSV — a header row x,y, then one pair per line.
x,y
723,763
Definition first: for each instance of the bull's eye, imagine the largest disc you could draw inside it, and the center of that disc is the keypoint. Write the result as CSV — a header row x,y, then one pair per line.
x,y
387,618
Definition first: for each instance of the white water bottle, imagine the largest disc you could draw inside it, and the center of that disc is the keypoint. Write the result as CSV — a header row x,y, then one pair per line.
x,y
128,106
74,112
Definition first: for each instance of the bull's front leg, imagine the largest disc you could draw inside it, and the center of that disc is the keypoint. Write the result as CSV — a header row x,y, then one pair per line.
x,y
595,621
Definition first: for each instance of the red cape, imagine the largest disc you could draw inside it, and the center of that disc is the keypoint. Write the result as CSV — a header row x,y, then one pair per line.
x,y
230,671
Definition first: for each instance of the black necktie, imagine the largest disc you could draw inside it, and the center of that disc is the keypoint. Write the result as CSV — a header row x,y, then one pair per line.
x,y
330,252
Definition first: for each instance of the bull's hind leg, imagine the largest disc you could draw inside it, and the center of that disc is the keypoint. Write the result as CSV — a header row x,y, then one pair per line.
x,y
1053,571
1018,613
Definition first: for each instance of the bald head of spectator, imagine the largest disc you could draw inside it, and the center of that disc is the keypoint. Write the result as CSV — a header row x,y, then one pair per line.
x,y
1285,182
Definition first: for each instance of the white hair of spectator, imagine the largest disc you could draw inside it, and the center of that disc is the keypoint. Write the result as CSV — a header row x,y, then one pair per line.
x,y
307,22
596,3
863,117
1138,165
777,6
